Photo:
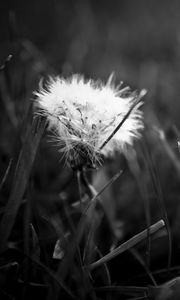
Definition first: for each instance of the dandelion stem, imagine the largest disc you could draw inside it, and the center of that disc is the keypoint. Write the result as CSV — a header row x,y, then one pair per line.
x,y
63,270
89,188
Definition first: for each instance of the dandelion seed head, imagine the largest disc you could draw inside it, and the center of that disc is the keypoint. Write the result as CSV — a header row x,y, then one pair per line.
x,y
84,113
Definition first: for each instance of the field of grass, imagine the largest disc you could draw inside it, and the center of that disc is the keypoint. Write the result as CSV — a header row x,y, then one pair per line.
x,y
110,233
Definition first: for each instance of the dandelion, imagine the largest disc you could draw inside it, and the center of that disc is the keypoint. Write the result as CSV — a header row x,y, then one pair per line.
x,y
90,119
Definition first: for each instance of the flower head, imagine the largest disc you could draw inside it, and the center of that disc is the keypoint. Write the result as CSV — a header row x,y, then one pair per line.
x,y
84,115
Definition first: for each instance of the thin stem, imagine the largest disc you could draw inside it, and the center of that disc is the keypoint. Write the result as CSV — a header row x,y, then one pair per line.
x,y
136,102
63,270
143,264
6,174
128,244
89,188
122,289
109,183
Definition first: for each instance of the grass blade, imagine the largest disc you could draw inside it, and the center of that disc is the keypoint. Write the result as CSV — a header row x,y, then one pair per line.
x,y
6,174
128,244
123,289
21,177
158,190
138,100
64,268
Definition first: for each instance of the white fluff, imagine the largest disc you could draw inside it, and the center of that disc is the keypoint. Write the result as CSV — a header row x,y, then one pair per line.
x,y
83,114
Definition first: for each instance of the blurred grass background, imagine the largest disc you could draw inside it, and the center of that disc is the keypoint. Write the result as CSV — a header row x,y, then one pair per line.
x,y
138,40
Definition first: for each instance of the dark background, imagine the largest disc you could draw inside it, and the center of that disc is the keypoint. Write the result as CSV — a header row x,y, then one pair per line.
x,y
138,40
